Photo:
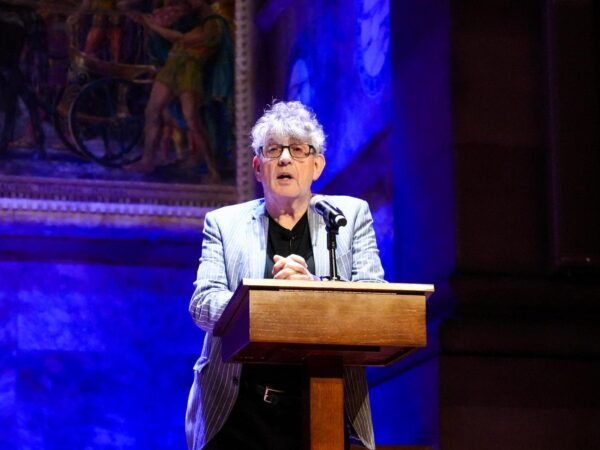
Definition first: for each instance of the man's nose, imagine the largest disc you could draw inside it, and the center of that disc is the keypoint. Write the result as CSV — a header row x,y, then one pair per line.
x,y
285,157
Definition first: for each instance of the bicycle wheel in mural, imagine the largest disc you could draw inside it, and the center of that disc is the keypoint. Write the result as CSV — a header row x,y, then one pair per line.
x,y
106,120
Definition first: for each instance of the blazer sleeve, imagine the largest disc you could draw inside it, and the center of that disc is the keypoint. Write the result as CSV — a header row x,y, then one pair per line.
x,y
366,264
212,293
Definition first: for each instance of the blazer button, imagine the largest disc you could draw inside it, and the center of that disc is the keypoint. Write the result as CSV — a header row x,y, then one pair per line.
x,y
236,380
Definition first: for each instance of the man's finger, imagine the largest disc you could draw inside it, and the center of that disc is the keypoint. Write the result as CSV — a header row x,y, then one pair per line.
x,y
287,274
290,261
299,259
280,263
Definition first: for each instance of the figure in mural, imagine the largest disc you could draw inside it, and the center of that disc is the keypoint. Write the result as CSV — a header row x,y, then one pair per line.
x,y
106,25
227,406
22,43
177,15
196,70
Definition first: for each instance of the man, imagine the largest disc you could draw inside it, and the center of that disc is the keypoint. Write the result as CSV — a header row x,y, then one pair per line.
x,y
278,236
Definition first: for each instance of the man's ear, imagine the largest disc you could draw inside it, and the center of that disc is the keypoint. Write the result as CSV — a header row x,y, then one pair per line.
x,y
319,166
256,167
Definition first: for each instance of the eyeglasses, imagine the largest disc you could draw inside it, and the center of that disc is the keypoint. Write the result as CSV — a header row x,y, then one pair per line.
x,y
297,151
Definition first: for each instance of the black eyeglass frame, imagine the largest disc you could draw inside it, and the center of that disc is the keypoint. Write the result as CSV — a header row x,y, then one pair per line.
x,y
311,151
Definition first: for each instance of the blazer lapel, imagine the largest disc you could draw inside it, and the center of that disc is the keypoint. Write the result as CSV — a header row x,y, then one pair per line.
x,y
257,241
318,236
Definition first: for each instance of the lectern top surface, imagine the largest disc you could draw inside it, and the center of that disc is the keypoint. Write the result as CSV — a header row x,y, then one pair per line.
x,y
338,285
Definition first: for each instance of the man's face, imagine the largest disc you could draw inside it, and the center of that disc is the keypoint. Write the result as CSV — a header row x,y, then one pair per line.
x,y
286,178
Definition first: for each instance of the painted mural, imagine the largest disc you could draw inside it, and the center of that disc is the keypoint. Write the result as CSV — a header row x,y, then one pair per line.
x,y
95,89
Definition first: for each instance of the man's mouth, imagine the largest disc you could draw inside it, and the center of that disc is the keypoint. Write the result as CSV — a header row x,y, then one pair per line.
x,y
284,176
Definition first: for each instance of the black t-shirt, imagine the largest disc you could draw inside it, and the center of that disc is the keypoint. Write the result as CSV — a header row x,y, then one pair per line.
x,y
284,242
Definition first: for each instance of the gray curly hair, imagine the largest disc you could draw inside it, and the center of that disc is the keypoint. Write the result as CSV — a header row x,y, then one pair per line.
x,y
288,120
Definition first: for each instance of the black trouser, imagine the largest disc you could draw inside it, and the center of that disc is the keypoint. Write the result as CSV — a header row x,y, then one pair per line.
x,y
257,425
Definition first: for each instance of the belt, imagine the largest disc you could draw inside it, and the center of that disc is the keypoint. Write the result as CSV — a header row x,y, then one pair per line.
x,y
274,396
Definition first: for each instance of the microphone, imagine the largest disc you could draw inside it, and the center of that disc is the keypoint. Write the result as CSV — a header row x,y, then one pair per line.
x,y
332,215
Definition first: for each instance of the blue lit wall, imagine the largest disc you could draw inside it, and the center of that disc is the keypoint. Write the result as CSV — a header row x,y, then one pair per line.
x,y
335,57
96,345
405,396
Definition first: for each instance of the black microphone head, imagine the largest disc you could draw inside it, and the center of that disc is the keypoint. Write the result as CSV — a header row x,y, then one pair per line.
x,y
317,198
332,215
340,219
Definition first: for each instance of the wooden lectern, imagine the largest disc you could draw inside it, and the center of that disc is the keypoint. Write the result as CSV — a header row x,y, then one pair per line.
x,y
325,326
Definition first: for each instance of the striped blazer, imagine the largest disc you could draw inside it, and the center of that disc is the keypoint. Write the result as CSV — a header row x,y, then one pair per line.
x,y
235,247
